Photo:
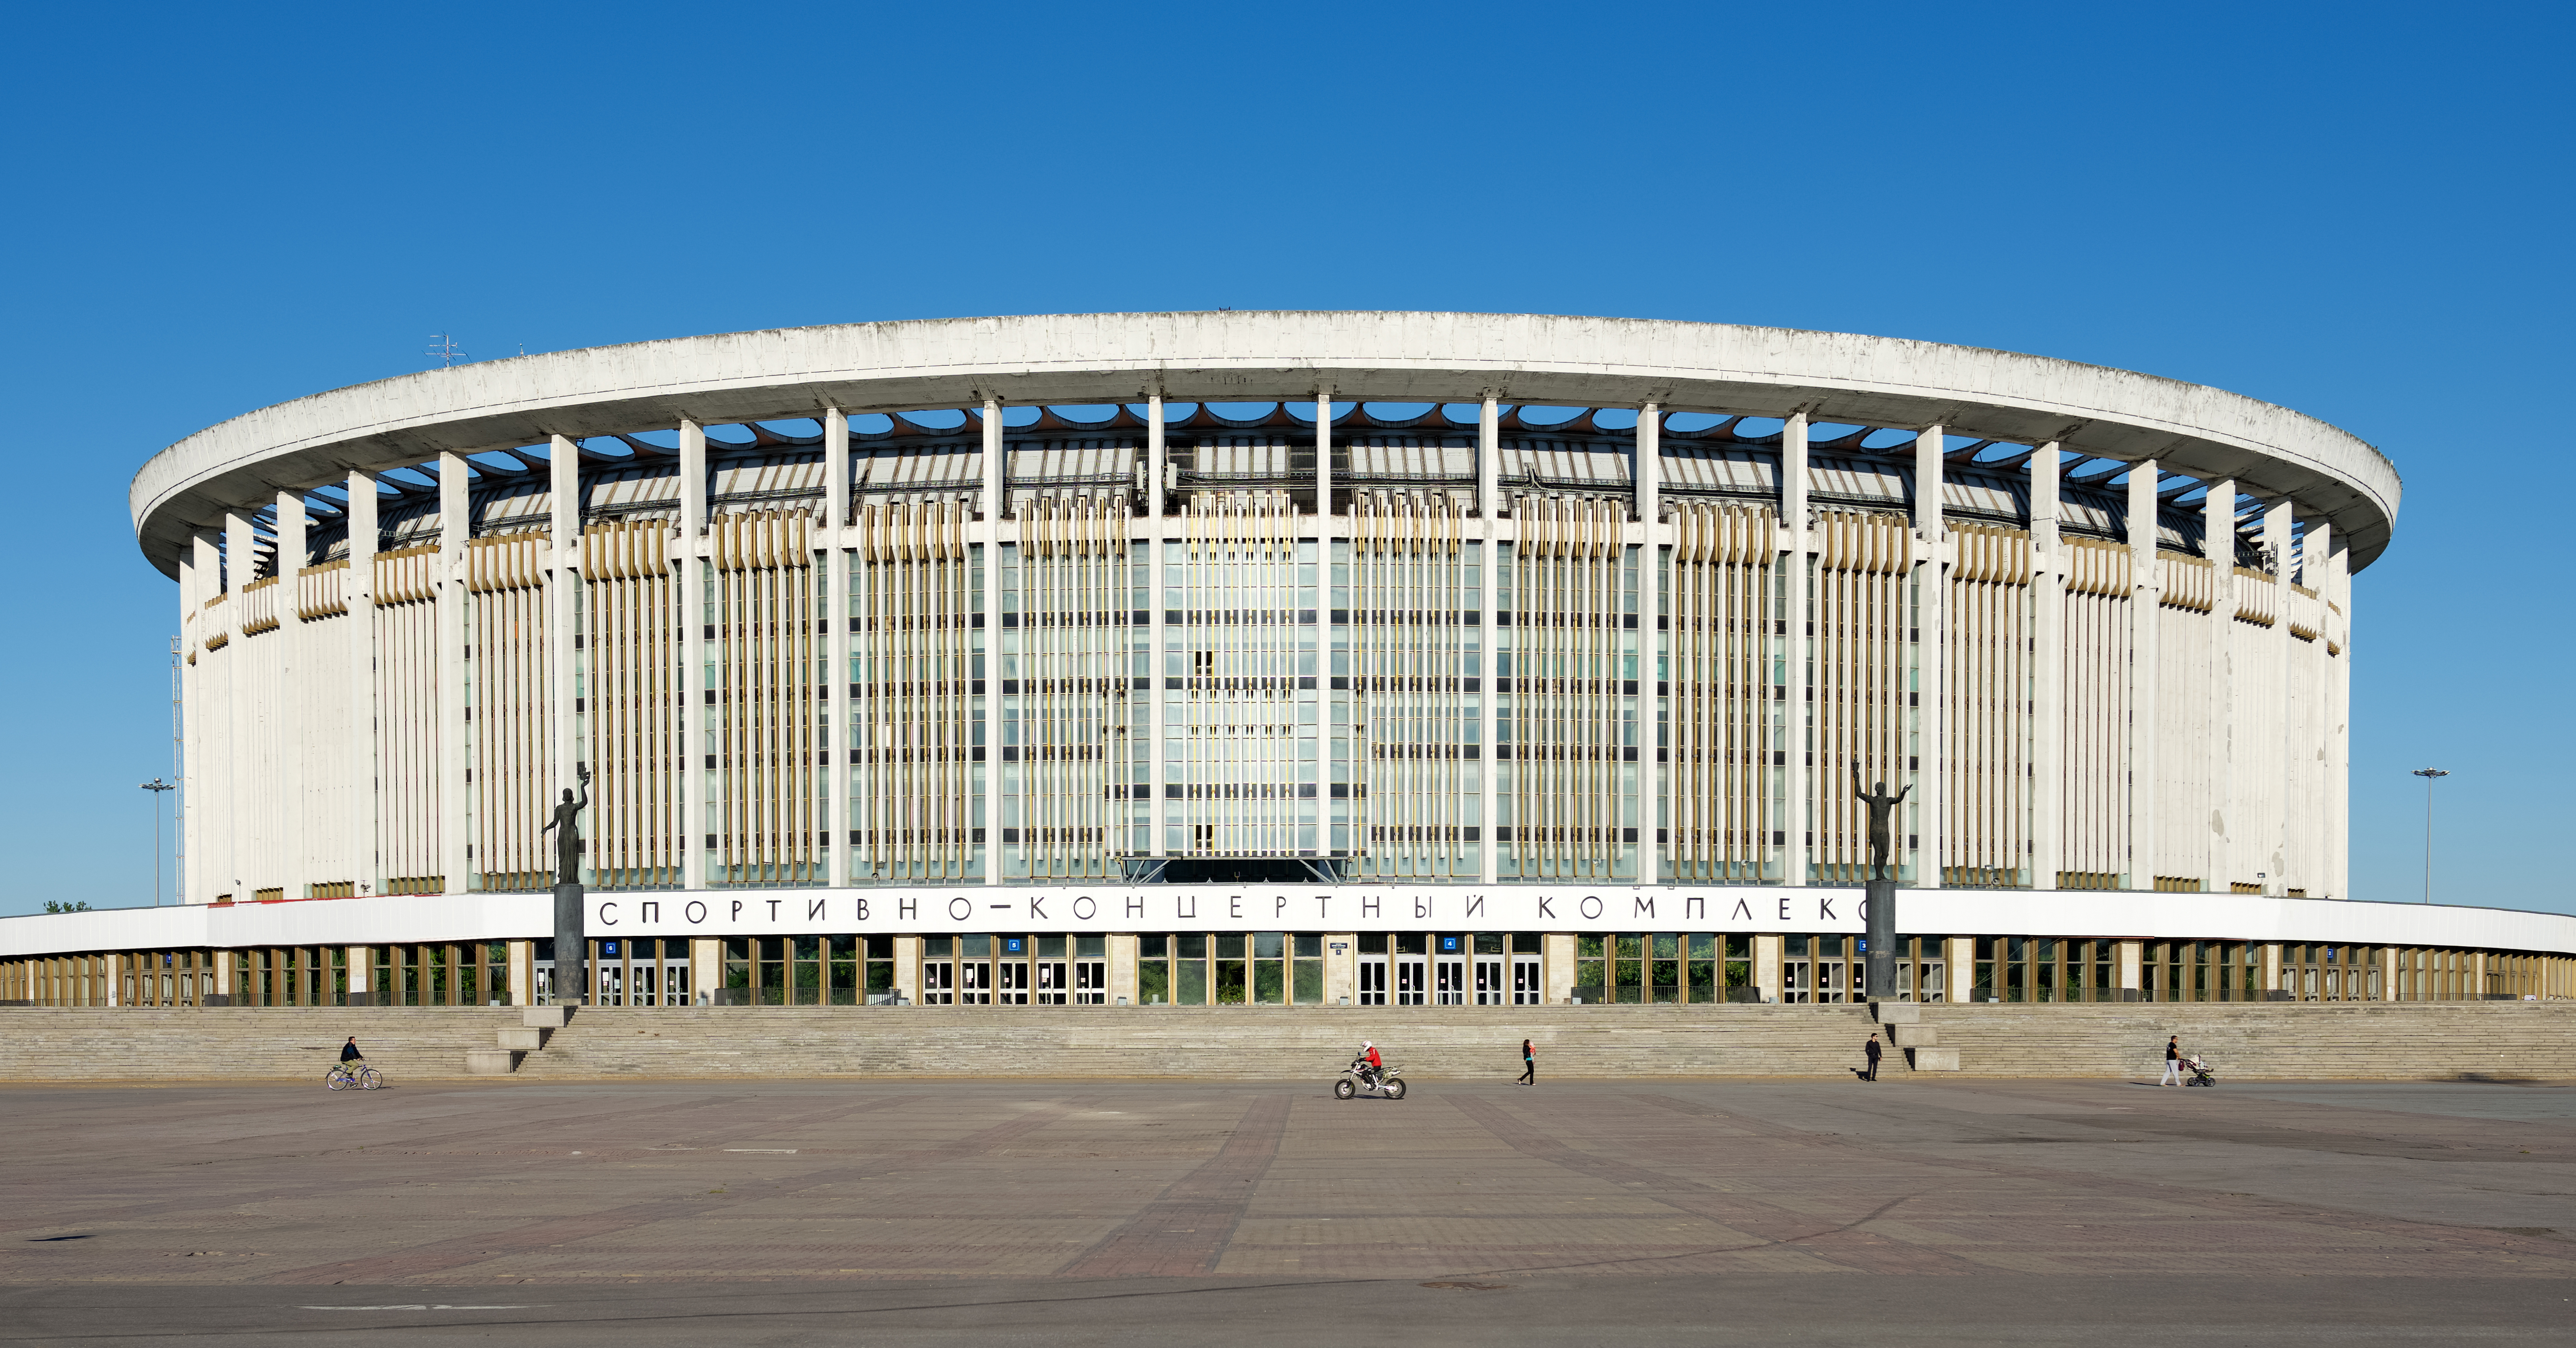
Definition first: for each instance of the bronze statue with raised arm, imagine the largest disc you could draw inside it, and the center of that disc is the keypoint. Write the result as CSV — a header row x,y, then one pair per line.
x,y
567,831
1882,807
572,942
1879,908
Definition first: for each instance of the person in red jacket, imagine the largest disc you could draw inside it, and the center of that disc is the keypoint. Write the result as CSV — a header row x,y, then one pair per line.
x,y
1376,1065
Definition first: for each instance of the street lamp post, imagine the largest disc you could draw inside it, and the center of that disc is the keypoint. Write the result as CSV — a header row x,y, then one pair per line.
x,y
156,786
2428,774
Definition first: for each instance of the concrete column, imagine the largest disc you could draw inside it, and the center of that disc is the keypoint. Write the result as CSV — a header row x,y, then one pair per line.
x,y
2145,596
1341,968
2218,544
1155,453
1959,954
564,646
835,823
1324,464
696,698
706,970
996,501
2339,725
2320,874
115,966
2048,673
907,962
1489,504
236,769
1932,644
456,792
1648,471
523,972
359,863
362,967
1797,825
1766,966
2276,748
1121,950
291,855
1556,966
2133,966
2272,967
191,602
227,962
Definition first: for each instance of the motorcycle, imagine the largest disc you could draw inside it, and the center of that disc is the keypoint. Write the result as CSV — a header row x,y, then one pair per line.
x,y
1355,1078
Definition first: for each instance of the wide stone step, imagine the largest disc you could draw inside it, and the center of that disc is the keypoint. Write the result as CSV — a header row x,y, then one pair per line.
x,y
2241,1041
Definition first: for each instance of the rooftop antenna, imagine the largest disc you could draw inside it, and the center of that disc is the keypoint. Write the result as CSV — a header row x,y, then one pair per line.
x,y
443,349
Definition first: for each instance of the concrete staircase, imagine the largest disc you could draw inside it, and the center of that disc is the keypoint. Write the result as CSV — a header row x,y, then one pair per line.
x,y
2259,1040
2251,1041
1917,1044
114,1045
536,1023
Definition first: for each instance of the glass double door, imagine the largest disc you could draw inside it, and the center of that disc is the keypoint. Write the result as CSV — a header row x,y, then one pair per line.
x,y
1512,982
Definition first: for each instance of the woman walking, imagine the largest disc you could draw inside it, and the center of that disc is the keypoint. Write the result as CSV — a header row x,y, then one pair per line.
x,y
1529,1065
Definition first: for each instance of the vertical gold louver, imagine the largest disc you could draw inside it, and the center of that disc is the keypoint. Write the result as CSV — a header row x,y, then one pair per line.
x,y
1237,720
509,721
1862,683
2093,796
1567,602
1986,818
409,811
631,705
762,729
1721,712
1073,699
1408,645
911,709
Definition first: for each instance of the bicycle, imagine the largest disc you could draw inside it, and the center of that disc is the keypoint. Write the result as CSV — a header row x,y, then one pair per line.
x,y
341,1078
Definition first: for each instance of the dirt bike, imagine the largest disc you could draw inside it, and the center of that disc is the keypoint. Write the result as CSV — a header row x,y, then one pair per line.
x,y
1358,1077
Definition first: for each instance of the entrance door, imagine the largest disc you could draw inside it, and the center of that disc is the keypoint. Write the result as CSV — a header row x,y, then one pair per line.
x,y
1489,982
1051,986
938,983
1830,983
646,985
1412,980
1526,990
1452,973
1014,987
675,983
1372,980
1091,982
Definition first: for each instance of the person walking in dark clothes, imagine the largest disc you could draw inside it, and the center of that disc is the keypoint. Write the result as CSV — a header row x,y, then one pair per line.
x,y
1529,1066
1873,1050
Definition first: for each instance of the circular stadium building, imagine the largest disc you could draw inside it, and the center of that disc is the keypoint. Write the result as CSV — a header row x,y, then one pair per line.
x,y
1321,658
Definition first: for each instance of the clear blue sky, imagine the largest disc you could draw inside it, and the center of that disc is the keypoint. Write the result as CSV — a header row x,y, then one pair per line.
x,y
2359,211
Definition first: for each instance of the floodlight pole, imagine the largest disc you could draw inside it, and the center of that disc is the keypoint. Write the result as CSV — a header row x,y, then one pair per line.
x,y
156,786
2428,774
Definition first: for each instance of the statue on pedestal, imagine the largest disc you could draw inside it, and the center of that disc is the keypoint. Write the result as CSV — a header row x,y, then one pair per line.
x,y
567,830
572,944
1881,901
1882,807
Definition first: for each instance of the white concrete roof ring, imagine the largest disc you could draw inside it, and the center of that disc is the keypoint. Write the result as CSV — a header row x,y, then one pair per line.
x,y
2270,451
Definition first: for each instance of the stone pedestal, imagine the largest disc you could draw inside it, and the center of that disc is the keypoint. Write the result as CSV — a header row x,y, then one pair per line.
x,y
1881,904
490,1062
572,948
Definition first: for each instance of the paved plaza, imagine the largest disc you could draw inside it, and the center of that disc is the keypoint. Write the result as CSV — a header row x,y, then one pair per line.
x,y
1754,1211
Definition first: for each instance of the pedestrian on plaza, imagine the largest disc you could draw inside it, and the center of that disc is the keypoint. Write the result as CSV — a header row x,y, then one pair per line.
x,y
2173,1062
1529,1066
1873,1050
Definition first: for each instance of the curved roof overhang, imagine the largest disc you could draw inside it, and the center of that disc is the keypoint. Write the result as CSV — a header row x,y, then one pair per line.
x,y
1226,356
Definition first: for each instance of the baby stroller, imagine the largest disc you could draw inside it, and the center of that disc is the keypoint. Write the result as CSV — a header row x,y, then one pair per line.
x,y
2200,1073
